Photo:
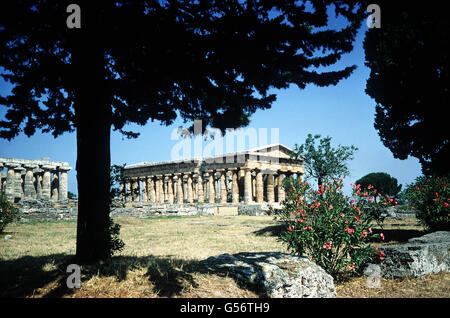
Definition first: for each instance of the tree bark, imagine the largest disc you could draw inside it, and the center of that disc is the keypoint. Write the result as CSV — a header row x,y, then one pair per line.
x,y
93,125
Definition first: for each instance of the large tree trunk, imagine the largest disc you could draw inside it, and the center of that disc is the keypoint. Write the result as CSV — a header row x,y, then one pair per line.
x,y
93,176
93,125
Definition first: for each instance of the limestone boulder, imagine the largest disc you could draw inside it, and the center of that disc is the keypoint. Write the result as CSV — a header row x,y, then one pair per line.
x,y
420,256
276,275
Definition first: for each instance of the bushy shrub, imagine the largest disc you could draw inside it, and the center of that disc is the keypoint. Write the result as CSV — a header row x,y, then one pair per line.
x,y
116,244
8,212
330,228
431,200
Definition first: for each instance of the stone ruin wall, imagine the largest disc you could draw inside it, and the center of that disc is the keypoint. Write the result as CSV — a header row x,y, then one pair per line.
x,y
40,179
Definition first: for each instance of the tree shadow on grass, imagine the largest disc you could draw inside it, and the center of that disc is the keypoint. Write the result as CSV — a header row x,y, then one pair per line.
x,y
397,235
272,230
390,235
23,277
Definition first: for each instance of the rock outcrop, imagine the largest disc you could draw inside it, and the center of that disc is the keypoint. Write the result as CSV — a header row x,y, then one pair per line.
x,y
276,275
420,256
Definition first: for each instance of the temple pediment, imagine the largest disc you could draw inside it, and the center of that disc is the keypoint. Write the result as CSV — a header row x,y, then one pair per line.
x,y
274,150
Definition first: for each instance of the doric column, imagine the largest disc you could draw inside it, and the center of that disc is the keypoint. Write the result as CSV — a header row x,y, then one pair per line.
x,y
38,183
248,186
253,186
205,186
234,187
55,186
194,187
189,198
10,182
151,189
158,195
129,190
18,190
28,187
166,188
223,187
63,183
281,194
216,187
200,194
46,183
180,197
270,189
122,191
259,186
144,189
211,190
170,197
134,189
157,189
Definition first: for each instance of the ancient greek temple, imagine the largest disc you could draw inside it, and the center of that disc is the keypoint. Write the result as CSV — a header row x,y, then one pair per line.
x,y
34,179
252,176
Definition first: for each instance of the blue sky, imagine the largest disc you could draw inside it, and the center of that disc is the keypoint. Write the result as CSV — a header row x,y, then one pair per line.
x,y
343,112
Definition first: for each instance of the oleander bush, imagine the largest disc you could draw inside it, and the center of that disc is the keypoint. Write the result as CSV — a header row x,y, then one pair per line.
x,y
430,198
330,228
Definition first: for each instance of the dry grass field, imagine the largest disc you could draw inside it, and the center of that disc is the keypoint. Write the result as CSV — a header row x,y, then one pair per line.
x,y
160,256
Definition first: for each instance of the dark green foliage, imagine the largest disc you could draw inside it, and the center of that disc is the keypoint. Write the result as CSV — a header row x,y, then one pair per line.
x,y
430,198
382,182
116,176
115,243
203,60
407,193
323,162
71,195
8,212
409,62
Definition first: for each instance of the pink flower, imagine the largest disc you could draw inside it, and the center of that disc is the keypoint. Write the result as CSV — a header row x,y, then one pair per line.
x,y
370,230
349,230
290,229
351,267
330,207
445,204
382,236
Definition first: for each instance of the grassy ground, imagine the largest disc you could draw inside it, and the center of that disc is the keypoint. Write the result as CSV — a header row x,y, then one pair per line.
x,y
159,259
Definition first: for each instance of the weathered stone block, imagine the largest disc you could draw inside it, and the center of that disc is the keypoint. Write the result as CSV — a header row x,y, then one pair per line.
x,y
276,275
420,256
